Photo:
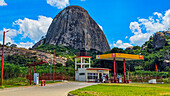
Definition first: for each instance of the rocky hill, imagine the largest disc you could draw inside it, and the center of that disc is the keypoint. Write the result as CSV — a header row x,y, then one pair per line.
x,y
40,55
74,27
159,40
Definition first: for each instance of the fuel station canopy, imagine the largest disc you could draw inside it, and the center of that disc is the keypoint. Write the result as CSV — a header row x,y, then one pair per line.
x,y
119,57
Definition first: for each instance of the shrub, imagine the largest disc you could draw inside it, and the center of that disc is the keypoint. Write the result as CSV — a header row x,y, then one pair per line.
x,y
20,81
166,80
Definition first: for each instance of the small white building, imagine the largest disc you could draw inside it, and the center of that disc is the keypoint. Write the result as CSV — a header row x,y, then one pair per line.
x,y
84,72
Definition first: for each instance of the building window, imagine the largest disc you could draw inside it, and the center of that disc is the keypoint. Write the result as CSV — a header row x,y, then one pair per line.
x,y
81,73
92,76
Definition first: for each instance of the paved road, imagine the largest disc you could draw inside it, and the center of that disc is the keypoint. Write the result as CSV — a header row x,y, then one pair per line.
x,y
58,89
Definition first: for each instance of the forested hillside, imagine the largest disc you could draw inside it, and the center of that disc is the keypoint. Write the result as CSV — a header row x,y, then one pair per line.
x,y
15,64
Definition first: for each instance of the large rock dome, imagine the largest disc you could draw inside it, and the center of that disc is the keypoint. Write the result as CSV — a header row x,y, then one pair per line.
x,y
75,28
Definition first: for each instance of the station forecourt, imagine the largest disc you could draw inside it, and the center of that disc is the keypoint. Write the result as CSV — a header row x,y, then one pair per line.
x,y
119,57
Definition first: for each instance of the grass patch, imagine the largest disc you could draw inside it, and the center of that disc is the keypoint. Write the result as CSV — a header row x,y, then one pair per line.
x,y
124,90
17,82
49,82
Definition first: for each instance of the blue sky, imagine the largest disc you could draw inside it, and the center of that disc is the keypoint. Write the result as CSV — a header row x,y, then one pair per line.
x,y
124,22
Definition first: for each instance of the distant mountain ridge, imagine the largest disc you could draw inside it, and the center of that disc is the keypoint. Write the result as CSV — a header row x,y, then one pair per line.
x,y
75,28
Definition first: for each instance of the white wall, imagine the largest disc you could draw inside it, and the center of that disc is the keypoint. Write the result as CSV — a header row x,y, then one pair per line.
x,y
82,77
76,75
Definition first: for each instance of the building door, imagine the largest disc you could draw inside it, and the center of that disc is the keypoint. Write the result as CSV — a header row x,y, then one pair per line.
x,y
82,77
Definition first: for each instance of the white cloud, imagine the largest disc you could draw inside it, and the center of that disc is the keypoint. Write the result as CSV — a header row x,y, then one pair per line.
x,y
82,0
11,32
9,35
126,37
158,14
2,3
60,4
120,44
134,27
25,45
30,28
139,39
149,27
100,27
33,29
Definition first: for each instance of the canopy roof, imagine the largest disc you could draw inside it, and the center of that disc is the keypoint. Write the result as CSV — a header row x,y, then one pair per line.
x,y
119,56
98,69
83,57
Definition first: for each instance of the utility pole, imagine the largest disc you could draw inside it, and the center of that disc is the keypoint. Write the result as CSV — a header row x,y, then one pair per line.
x,y
51,69
3,57
53,65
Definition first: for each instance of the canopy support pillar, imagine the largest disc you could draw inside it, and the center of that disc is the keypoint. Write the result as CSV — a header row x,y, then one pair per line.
x,y
129,72
124,71
114,70
89,62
